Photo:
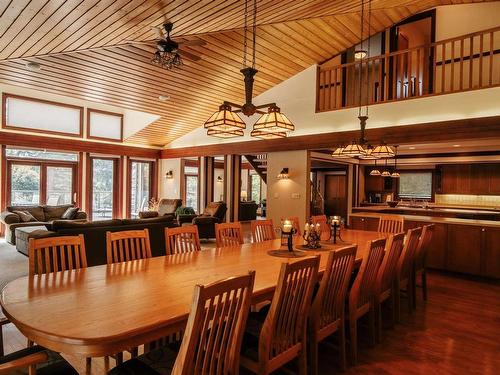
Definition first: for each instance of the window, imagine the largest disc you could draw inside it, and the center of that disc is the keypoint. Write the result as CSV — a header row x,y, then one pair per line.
x,y
140,186
25,184
40,154
191,182
104,125
416,185
42,116
104,202
255,187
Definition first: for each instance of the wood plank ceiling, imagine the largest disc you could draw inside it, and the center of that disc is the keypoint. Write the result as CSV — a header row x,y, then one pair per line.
x,y
85,52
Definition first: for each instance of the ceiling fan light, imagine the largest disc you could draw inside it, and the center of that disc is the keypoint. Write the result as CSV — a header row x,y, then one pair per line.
x,y
274,121
225,120
383,151
353,150
267,135
375,172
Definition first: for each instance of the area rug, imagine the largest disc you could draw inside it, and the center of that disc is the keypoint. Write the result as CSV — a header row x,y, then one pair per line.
x,y
12,264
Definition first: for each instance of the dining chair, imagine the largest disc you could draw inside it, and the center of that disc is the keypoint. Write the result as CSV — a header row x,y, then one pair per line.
x,y
54,254
419,267
361,294
35,360
384,285
328,308
262,230
295,223
228,234
391,224
403,280
326,231
213,336
274,340
127,245
3,321
182,240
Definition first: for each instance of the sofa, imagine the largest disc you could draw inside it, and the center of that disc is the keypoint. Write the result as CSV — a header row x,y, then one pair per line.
x,y
94,234
41,215
165,207
214,212
248,211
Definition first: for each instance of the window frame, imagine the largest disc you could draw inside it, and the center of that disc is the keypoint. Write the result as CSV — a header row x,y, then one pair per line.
x,y
91,110
117,177
6,96
152,182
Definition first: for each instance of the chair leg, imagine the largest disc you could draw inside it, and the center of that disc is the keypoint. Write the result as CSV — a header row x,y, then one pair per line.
x,y
393,309
409,292
312,348
371,325
353,332
424,284
303,359
397,300
414,288
378,317
342,344
1,342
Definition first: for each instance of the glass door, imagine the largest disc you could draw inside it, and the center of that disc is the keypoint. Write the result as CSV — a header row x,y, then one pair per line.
x,y
104,202
140,187
59,185
25,184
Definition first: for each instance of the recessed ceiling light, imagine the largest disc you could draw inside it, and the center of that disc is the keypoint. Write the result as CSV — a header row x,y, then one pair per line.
x,y
456,145
412,147
33,66
163,98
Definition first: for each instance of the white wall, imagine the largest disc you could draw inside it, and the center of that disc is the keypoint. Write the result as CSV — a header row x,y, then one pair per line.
x,y
218,186
170,187
288,197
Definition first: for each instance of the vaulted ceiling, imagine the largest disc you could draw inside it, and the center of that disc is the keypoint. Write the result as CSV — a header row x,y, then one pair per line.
x,y
85,50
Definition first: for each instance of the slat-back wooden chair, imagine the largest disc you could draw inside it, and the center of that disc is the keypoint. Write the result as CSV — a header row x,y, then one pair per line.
x,y
262,230
3,321
384,286
228,234
127,245
54,254
214,333
420,260
326,231
391,224
295,223
328,309
283,334
403,280
182,240
361,294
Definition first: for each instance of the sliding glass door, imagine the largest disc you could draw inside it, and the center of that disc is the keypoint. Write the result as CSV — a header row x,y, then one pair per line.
x,y
140,186
59,185
25,184
104,194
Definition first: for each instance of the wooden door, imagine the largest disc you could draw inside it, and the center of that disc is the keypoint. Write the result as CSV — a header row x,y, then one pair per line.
x,y
336,195
464,249
491,252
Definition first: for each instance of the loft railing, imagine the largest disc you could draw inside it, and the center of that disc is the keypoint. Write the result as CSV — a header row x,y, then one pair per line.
x,y
468,62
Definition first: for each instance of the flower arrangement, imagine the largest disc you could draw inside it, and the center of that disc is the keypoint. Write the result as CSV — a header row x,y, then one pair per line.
x,y
153,204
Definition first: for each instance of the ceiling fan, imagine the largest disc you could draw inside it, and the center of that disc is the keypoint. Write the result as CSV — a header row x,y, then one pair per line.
x,y
169,52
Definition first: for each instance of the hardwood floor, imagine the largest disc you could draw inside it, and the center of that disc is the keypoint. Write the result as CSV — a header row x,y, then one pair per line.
x,y
456,332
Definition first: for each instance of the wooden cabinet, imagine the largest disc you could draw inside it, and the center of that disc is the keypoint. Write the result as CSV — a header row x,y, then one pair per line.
x,y
481,179
494,178
491,251
364,223
464,249
374,183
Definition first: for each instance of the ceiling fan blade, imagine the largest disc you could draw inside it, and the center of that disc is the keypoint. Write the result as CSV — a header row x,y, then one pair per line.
x,y
192,42
189,55
145,42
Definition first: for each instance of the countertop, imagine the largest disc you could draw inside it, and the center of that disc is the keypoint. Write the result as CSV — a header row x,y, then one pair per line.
x,y
434,219
459,210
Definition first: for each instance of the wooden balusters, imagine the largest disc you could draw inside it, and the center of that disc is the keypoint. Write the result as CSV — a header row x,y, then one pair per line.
x,y
127,245
182,240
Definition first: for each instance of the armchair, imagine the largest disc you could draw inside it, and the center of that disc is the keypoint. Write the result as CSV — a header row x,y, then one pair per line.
x,y
165,207
213,213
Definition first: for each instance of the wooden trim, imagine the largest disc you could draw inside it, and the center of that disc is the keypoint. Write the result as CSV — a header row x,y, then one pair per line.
x,y
235,187
3,167
153,182
474,128
5,96
90,110
80,187
208,180
75,145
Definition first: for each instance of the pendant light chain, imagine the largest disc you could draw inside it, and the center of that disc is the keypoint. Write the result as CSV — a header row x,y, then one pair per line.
x,y
245,35
361,60
254,32
368,54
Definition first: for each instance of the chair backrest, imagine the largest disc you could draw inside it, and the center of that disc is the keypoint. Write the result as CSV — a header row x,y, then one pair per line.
x,y
326,231
182,240
364,285
406,259
387,270
284,326
54,254
127,245
295,223
328,305
215,327
262,230
423,246
391,224
228,234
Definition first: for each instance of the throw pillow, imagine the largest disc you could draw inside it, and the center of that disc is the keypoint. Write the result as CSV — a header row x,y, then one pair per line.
x,y
70,213
25,216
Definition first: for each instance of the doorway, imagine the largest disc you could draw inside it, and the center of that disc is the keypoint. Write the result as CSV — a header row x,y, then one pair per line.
x,y
336,194
104,198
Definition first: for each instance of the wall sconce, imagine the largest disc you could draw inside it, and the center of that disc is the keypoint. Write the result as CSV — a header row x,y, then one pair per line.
x,y
219,179
283,174
169,174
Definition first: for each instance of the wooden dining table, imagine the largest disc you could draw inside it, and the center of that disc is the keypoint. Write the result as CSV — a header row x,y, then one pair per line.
x,y
106,309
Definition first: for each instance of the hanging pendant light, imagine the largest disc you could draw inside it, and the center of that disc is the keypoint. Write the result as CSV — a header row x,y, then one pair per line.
x,y
338,153
395,174
368,154
353,150
383,151
273,121
224,123
375,172
386,173
267,135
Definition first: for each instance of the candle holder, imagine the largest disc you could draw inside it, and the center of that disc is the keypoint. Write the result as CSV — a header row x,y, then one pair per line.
x,y
335,222
287,238
312,236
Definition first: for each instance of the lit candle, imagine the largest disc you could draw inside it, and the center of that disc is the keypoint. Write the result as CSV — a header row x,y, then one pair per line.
x,y
287,226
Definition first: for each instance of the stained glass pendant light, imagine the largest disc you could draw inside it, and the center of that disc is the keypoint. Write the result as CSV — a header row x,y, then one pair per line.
x,y
383,151
273,121
267,135
368,154
338,153
386,173
224,123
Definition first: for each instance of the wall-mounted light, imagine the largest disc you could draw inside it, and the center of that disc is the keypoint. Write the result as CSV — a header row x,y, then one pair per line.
x,y
283,175
220,179
169,174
